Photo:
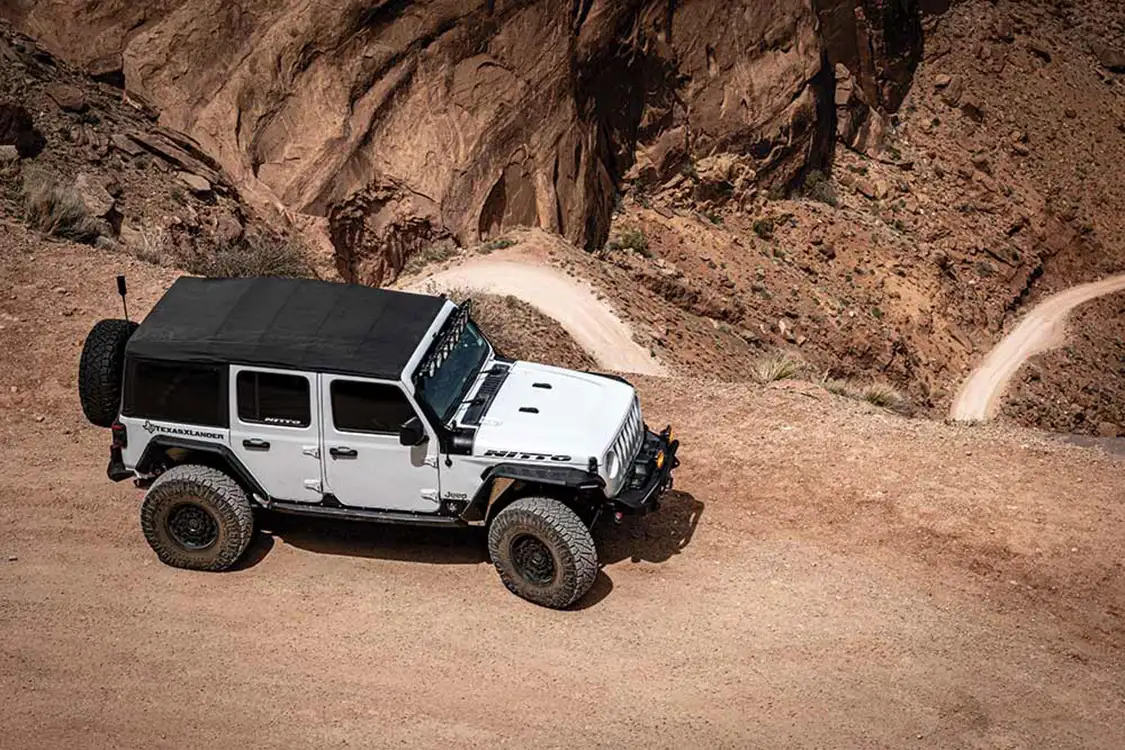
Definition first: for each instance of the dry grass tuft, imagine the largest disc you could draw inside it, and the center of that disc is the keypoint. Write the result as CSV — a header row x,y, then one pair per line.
x,y
254,256
778,366
882,395
57,209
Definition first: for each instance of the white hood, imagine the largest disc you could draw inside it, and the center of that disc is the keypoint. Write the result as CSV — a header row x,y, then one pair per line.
x,y
554,412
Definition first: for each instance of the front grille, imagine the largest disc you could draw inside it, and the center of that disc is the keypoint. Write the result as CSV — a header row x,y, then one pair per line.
x,y
632,434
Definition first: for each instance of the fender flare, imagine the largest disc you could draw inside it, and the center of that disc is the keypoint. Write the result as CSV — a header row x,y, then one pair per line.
x,y
228,461
497,480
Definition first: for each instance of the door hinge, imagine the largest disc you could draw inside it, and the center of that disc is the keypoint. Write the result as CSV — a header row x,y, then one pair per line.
x,y
430,461
311,450
431,495
313,485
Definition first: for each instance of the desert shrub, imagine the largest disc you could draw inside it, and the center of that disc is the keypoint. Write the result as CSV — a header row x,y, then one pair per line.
x,y
499,244
630,239
764,228
777,366
818,187
423,257
57,209
254,256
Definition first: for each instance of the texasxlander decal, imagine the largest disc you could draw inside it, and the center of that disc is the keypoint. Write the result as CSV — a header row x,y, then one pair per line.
x,y
185,431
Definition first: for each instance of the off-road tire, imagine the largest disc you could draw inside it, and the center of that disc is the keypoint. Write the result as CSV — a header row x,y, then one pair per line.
x,y
188,488
101,369
560,531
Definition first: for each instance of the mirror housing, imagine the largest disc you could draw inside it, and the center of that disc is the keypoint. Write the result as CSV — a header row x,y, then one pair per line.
x,y
412,432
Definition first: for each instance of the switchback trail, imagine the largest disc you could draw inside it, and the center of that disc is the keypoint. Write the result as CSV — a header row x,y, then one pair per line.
x,y
1041,329
589,320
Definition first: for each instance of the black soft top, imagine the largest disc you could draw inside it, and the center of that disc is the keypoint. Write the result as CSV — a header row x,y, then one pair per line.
x,y
286,323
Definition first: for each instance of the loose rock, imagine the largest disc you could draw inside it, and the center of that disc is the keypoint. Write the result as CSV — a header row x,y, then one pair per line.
x,y
196,184
97,199
69,98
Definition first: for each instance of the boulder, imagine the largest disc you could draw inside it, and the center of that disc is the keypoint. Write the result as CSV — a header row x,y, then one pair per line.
x,y
68,98
126,145
94,196
1111,58
200,186
1108,430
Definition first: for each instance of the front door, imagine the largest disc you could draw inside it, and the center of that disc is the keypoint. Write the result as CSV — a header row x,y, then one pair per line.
x,y
275,431
365,466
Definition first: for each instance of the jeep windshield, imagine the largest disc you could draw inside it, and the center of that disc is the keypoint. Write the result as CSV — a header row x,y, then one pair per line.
x,y
452,365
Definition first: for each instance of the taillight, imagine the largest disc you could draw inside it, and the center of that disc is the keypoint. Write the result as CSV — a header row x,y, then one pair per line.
x,y
120,435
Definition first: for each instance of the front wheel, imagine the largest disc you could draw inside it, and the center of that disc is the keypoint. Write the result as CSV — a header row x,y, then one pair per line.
x,y
543,552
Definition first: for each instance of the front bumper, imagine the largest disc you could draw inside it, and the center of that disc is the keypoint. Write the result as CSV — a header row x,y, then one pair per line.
x,y
651,473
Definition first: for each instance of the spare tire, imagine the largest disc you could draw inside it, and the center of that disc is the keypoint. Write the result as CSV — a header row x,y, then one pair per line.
x,y
101,369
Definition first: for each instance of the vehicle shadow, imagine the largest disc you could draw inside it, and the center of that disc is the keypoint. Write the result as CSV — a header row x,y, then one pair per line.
x,y
442,546
652,538
655,537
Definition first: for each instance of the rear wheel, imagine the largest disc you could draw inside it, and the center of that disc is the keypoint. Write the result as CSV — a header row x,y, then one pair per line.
x,y
198,518
543,552
101,368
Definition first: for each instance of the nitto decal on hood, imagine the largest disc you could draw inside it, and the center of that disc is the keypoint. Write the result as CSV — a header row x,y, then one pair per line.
x,y
185,431
526,456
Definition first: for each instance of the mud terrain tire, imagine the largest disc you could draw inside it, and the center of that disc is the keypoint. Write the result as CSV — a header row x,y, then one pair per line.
x,y
543,552
197,518
101,368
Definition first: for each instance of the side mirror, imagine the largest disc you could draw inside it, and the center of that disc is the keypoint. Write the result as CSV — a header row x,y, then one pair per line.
x,y
412,432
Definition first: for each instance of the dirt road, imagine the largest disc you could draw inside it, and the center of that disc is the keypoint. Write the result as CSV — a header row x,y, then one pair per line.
x,y
827,575
589,320
1040,329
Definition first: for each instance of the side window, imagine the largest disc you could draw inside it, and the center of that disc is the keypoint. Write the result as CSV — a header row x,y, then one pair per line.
x,y
369,407
274,399
175,392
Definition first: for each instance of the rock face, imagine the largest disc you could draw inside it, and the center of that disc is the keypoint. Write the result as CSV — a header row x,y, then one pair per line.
x,y
876,46
410,123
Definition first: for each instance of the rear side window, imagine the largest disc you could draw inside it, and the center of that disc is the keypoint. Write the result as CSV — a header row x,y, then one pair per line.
x,y
369,407
175,392
274,399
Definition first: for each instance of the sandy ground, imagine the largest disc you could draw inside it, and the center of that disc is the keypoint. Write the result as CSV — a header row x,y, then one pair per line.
x,y
589,320
826,575
1041,329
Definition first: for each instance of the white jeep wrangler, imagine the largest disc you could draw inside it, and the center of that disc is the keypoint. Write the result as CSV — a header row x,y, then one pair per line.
x,y
348,402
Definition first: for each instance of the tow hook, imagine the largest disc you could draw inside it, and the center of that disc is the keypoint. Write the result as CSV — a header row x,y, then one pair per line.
x,y
617,516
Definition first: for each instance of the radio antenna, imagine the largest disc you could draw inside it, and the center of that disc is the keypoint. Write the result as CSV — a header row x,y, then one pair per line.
x,y
122,290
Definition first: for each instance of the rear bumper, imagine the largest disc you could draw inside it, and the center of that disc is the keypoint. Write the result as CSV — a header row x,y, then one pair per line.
x,y
116,470
651,474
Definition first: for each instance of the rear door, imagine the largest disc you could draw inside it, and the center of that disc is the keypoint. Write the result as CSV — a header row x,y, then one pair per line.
x,y
275,431
365,466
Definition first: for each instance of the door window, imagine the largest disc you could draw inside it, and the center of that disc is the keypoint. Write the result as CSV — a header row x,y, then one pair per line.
x,y
369,407
274,399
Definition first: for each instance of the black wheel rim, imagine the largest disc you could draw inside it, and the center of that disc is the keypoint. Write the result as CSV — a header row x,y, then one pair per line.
x,y
533,560
192,526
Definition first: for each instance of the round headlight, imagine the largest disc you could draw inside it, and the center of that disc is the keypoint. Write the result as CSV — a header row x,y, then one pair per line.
x,y
612,465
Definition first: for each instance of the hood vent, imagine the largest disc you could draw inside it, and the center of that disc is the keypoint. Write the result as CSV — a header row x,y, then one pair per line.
x,y
529,410
541,385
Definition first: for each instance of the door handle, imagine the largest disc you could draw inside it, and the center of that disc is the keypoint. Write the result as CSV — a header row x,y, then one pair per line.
x,y
256,445
343,452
